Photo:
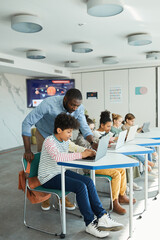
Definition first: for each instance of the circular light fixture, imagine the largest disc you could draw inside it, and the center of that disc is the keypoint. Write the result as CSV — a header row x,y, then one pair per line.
x,y
153,55
81,47
110,60
71,64
26,23
104,8
35,54
139,39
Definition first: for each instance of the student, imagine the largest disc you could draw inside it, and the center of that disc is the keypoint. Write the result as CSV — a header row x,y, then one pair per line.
x,y
80,140
118,175
43,117
55,149
129,122
117,122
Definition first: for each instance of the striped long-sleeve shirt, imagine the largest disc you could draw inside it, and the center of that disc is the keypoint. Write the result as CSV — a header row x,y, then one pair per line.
x,y
54,151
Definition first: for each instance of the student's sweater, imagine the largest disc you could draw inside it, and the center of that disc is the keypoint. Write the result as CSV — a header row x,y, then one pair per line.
x,y
54,151
116,131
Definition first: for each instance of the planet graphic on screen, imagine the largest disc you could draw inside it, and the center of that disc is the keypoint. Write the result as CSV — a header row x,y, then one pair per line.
x,y
51,91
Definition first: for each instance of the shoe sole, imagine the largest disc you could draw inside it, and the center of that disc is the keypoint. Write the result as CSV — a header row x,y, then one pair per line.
x,y
113,229
119,212
45,209
70,209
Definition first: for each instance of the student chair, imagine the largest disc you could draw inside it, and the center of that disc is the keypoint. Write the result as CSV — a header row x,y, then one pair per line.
x,y
57,193
108,187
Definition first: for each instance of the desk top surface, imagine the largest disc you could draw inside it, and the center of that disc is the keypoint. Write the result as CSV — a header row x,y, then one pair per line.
x,y
144,142
153,133
127,149
111,160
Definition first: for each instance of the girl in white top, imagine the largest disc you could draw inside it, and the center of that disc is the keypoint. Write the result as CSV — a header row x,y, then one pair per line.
x,y
118,175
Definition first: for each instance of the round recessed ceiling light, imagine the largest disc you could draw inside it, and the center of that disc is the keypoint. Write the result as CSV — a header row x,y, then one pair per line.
x,y
26,23
35,54
81,47
110,60
71,64
139,39
104,8
153,55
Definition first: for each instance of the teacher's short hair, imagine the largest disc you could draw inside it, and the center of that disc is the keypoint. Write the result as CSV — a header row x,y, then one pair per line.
x,y
73,93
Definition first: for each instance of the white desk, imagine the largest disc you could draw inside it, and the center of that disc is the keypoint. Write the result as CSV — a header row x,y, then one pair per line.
x,y
148,142
133,150
111,160
154,133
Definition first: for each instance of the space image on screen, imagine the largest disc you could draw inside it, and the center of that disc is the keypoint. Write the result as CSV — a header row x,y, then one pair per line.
x,y
38,90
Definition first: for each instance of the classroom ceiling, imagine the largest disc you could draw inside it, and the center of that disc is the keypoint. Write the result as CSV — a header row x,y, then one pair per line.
x,y
67,21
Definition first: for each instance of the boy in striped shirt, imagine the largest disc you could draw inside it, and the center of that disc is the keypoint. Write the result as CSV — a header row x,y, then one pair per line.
x,y
55,148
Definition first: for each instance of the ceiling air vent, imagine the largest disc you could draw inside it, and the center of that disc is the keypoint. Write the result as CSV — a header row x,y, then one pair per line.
x,y
58,71
6,60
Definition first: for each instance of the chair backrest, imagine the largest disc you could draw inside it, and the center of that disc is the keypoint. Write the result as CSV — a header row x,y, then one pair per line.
x,y
34,165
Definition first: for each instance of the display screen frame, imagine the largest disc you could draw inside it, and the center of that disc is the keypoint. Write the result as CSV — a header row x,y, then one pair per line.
x,y
39,89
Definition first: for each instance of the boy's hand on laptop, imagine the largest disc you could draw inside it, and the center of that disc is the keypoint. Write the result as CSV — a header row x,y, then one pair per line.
x,y
88,153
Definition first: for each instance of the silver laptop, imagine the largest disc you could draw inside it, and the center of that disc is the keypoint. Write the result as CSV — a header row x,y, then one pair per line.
x,y
131,133
145,127
120,141
101,150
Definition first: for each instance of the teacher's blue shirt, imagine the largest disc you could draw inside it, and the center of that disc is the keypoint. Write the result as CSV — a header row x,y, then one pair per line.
x,y
43,117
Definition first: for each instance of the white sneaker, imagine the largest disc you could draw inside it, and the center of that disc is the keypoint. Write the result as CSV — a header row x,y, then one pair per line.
x,y
93,230
136,187
106,223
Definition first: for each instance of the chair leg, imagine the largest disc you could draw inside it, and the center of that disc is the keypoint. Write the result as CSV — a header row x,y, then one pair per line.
x,y
111,201
62,235
25,203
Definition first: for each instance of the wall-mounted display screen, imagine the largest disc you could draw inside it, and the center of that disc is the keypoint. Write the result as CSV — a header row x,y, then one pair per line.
x,y
38,90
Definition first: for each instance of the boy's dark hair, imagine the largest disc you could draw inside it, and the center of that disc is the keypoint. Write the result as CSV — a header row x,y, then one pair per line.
x,y
65,121
105,117
73,93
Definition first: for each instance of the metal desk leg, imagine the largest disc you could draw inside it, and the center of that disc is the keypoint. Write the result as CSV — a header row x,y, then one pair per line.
x,y
158,169
93,176
130,202
63,200
146,181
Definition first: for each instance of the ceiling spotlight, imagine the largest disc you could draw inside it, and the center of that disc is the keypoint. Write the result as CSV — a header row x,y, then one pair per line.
x,y
104,8
26,23
71,64
35,54
81,47
110,60
153,55
139,39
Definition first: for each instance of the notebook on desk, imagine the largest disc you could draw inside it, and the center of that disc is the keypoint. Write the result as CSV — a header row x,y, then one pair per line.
x,y
101,150
131,133
145,127
120,141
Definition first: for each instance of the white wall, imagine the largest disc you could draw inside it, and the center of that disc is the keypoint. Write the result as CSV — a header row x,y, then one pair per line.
x,y
126,80
13,106
117,80
13,109
143,105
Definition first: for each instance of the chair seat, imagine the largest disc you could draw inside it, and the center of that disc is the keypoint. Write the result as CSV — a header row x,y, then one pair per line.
x,y
48,190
